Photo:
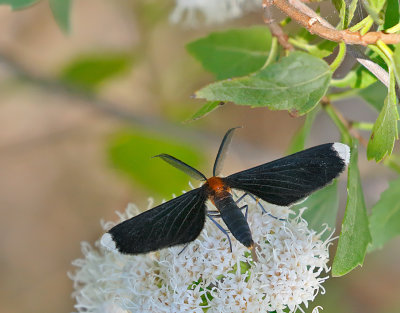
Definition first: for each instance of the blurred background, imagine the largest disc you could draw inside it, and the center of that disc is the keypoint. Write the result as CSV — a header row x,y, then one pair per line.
x,y
82,113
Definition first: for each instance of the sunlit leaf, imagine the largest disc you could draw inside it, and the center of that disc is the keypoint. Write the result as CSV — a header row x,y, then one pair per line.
x,y
377,4
391,13
18,4
61,12
297,83
396,63
88,72
131,153
384,133
385,217
373,8
354,236
205,109
233,53
322,207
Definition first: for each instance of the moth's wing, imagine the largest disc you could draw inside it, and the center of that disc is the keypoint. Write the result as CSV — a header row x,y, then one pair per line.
x,y
287,180
177,221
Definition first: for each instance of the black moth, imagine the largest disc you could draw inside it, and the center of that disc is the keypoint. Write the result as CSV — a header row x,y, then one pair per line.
x,y
179,221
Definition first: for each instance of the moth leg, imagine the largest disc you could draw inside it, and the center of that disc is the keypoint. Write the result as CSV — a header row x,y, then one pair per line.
x,y
214,213
245,207
257,200
241,197
223,230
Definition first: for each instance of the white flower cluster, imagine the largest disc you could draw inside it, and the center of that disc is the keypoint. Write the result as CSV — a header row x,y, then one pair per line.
x,y
192,12
206,276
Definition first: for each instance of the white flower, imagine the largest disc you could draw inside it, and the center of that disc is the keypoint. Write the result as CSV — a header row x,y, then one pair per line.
x,y
193,12
285,274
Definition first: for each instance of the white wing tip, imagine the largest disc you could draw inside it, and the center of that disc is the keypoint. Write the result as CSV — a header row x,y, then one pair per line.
x,y
108,242
343,151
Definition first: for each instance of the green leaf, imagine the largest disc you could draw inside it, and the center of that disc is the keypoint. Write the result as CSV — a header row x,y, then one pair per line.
x,y
375,95
354,236
205,109
396,63
88,72
320,50
18,4
322,207
61,12
299,139
233,53
377,4
338,4
297,83
360,77
384,133
131,153
384,221
391,14
323,49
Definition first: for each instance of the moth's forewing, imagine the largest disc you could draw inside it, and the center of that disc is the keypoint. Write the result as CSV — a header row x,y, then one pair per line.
x,y
175,222
287,180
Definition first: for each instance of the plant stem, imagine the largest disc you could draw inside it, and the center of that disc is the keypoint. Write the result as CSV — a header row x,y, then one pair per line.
x,y
362,125
345,81
339,58
393,29
360,24
272,53
366,27
385,49
332,112
342,95
381,54
344,126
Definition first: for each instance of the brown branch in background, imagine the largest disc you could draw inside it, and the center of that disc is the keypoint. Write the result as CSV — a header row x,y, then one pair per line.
x,y
349,125
314,26
379,72
275,28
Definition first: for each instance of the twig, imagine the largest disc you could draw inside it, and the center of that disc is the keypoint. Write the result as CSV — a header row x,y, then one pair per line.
x,y
106,107
354,51
326,104
314,26
275,28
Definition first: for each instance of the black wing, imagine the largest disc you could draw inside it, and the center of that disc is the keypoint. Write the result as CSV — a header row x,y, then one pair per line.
x,y
177,221
290,179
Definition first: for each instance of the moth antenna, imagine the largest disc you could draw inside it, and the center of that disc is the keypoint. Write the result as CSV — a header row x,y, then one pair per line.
x,y
180,165
223,148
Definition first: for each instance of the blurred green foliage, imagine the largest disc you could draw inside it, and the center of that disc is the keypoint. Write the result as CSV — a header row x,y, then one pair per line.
x,y
385,217
19,4
61,11
233,53
205,109
89,71
322,207
131,152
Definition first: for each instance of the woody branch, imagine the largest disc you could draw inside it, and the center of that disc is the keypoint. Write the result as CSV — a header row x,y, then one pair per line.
x,y
314,26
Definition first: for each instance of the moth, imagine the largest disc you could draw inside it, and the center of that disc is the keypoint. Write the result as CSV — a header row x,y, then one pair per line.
x,y
179,221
